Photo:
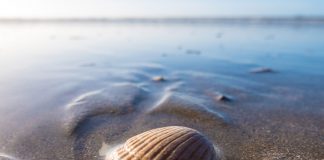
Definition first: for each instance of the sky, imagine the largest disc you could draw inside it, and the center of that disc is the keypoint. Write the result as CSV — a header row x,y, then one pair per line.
x,y
158,8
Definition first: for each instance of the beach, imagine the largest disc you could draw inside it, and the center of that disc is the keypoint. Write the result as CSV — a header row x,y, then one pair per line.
x,y
77,90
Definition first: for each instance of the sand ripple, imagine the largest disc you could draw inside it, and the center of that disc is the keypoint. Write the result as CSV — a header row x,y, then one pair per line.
x,y
115,100
6,157
186,106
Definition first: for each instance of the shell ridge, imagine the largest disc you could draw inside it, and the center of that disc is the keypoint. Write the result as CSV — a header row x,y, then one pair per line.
x,y
208,156
189,147
138,149
163,154
182,147
147,139
127,157
145,150
200,149
121,154
172,137
133,140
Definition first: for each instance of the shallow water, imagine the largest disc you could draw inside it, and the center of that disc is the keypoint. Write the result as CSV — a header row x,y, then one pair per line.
x,y
74,90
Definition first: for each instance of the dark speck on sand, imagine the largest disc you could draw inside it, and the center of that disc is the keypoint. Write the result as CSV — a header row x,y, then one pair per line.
x,y
262,70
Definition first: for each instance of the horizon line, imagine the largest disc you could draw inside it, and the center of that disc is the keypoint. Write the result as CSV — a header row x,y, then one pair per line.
x,y
203,19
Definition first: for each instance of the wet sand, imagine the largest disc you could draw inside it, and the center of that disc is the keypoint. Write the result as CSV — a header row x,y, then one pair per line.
x,y
71,99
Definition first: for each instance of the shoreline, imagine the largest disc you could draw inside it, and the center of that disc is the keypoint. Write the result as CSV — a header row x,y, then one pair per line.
x,y
208,20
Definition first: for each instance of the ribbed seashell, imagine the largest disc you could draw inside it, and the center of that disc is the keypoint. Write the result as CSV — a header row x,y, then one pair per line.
x,y
167,143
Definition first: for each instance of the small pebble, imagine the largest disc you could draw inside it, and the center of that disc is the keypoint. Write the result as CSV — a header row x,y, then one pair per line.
x,y
164,55
88,65
262,70
158,78
219,35
193,52
222,98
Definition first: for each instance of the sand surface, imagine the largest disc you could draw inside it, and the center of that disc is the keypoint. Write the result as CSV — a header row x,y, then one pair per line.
x,y
76,91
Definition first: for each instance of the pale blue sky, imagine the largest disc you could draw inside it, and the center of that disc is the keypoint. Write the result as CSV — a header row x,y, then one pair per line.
x,y
158,8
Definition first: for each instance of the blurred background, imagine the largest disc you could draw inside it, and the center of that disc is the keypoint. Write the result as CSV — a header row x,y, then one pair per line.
x,y
157,8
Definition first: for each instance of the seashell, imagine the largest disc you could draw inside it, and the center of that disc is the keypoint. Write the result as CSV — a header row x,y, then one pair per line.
x,y
166,143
